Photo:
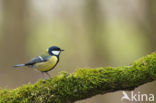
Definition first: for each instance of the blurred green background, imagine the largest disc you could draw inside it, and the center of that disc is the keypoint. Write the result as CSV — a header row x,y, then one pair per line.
x,y
94,33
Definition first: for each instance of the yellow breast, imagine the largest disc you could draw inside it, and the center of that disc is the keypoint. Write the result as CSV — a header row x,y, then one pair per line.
x,y
48,65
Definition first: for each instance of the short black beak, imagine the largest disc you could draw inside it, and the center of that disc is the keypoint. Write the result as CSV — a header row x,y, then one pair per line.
x,y
62,50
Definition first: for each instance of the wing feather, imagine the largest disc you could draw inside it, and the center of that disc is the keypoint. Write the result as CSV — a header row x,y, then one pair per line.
x,y
37,60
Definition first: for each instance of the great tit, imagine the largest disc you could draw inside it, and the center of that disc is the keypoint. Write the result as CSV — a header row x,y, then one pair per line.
x,y
45,62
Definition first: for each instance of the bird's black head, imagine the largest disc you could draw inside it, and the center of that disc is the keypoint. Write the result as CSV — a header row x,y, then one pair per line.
x,y
54,50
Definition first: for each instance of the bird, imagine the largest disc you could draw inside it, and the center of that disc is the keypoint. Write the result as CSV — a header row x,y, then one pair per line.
x,y
45,62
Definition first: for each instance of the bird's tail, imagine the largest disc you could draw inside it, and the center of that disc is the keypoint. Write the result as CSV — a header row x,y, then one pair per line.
x,y
19,65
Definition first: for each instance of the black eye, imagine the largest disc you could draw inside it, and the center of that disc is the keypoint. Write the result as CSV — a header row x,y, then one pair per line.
x,y
58,49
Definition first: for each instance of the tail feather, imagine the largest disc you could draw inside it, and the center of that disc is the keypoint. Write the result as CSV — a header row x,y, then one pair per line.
x,y
19,65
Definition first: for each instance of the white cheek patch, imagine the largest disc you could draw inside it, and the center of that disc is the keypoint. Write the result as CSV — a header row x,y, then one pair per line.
x,y
56,52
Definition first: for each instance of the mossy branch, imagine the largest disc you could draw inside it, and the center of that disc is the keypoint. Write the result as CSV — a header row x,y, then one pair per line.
x,y
84,83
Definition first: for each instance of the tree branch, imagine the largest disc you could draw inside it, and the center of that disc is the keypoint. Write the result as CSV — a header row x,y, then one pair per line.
x,y
84,83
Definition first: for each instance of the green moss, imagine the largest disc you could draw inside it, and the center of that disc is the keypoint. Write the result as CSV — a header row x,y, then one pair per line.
x,y
84,83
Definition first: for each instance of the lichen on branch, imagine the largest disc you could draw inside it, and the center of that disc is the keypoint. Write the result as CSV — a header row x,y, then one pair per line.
x,y
84,83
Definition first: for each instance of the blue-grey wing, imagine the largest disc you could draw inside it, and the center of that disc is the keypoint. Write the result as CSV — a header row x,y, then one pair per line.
x,y
37,60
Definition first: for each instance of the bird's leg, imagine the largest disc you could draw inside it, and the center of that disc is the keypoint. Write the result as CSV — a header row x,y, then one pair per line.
x,y
43,76
48,75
